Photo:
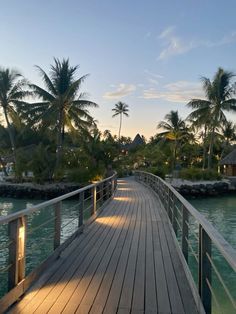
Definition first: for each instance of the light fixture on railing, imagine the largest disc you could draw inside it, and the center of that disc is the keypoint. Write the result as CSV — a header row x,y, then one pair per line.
x,y
21,239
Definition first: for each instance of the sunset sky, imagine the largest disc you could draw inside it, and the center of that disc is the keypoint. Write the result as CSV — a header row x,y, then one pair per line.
x,y
149,54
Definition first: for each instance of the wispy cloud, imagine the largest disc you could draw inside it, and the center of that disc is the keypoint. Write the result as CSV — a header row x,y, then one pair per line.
x,y
180,91
227,39
122,90
153,78
173,44
155,75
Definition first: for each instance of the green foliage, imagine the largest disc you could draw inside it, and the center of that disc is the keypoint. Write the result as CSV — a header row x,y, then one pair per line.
x,y
195,174
160,172
42,164
85,175
22,164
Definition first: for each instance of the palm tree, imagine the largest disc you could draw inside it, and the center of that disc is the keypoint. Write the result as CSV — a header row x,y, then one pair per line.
x,y
228,135
11,94
210,112
63,106
175,130
120,109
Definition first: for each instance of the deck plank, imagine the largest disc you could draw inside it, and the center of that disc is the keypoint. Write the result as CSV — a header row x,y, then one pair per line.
x,y
61,294
107,274
124,262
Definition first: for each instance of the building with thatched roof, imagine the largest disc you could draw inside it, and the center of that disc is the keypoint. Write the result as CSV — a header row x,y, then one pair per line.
x,y
228,164
137,141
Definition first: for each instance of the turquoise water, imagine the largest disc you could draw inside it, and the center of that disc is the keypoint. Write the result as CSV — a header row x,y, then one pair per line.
x,y
221,212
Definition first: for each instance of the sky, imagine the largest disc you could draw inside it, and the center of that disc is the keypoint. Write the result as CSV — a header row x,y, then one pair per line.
x,y
149,54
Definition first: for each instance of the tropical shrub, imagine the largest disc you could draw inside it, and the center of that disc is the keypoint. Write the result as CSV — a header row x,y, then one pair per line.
x,y
195,174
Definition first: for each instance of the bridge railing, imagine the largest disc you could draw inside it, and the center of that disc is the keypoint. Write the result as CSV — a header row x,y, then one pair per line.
x,y
52,224
202,243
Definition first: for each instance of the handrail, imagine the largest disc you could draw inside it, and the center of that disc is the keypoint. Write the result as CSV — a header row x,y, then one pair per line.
x,y
27,211
206,236
223,246
15,246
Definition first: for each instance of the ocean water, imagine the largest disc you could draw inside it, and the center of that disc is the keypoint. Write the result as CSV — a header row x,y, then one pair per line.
x,y
221,212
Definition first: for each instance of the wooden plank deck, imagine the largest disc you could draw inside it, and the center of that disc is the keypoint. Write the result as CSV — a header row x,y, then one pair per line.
x,y
124,262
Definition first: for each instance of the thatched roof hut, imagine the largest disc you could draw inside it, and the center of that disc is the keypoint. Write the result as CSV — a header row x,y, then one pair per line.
x,y
228,164
229,159
137,141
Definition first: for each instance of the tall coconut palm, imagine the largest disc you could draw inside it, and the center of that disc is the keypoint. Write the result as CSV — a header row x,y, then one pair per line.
x,y
219,98
12,92
63,105
120,109
175,130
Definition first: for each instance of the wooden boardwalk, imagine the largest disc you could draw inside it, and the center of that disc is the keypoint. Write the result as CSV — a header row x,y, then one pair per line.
x,y
124,262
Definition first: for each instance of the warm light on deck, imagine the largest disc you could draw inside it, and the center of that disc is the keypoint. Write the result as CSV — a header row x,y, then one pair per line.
x,y
116,220
122,198
125,189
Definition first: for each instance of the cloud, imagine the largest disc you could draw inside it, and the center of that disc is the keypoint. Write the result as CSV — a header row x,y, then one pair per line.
x,y
180,91
121,91
155,75
153,81
175,45
153,78
225,40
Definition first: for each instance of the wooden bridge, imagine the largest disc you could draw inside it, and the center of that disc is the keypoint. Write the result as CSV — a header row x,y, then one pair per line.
x,y
124,259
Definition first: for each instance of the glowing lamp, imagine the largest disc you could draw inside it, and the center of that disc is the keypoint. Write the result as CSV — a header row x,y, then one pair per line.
x,y
21,239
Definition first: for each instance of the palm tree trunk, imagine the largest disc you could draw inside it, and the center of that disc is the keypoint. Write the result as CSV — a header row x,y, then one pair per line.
x,y
174,156
120,126
11,136
210,154
59,139
204,148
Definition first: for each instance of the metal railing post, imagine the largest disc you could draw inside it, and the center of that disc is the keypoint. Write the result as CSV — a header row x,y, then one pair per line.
x,y
167,201
107,189
184,240
174,215
94,200
17,238
204,269
57,226
112,186
81,209
101,187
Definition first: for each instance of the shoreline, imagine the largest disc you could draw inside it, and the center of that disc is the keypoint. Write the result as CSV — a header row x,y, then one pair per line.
x,y
202,188
36,191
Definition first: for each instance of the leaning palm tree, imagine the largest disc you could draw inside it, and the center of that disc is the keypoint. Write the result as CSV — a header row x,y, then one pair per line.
x,y
63,106
219,94
175,130
11,94
120,109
